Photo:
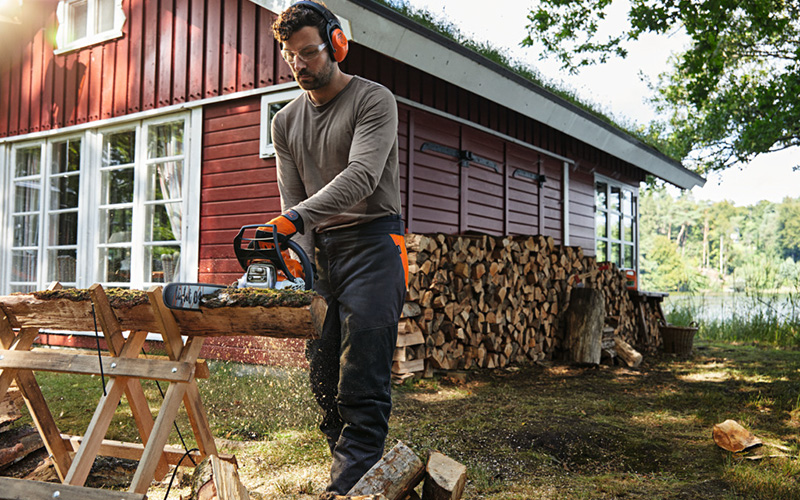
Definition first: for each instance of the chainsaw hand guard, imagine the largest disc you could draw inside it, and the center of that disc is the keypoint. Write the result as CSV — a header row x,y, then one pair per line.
x,y
262,247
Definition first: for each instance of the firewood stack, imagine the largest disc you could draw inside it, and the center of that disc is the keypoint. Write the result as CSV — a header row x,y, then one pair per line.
x,y
487,301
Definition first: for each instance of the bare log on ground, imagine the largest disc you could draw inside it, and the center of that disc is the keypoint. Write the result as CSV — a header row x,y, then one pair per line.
x,y
628,354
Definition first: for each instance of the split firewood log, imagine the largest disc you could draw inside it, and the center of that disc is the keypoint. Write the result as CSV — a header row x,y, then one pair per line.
x,y
394,476
445,478
215,479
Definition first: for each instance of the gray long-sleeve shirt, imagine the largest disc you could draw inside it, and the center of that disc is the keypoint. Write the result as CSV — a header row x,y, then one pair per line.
x,y
337,163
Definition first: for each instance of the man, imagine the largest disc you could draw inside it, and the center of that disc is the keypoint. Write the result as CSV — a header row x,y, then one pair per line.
x,y
336,148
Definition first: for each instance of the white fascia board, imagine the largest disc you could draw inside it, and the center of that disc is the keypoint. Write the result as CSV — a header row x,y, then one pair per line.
x,y
394,40
278,6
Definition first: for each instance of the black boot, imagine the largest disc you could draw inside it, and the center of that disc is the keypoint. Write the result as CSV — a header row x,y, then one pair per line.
x,y
351,460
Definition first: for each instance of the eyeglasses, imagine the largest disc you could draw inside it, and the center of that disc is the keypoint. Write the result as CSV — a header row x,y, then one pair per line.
x,y
308,54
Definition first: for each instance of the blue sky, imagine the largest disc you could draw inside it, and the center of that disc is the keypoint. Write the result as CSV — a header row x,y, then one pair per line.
x,y
617,88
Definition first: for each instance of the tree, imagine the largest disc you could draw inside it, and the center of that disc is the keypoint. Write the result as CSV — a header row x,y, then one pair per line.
x,y
733,94
662,267
789,228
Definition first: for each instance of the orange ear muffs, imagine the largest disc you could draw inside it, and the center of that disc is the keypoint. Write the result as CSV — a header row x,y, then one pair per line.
x,y
337,42
338,45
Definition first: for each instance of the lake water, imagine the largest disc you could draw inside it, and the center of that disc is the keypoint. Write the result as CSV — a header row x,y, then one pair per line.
x,y
714,307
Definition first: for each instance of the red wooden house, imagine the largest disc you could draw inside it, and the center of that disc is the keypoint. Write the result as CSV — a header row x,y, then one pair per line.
x,y
134,140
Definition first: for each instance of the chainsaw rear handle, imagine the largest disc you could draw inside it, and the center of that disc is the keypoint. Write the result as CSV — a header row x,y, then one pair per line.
x,y
248,254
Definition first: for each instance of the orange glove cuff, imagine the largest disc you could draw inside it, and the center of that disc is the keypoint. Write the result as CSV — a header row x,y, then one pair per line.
x,y
287,224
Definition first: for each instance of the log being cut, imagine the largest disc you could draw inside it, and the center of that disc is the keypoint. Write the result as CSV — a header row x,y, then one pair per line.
x,y
256,312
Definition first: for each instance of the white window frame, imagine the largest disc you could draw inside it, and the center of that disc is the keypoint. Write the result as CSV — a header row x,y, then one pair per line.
x,y
634,219
266,147
88,251
138,279
92,35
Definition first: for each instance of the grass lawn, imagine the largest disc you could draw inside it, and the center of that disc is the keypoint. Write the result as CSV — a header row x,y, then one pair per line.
x,y
530,432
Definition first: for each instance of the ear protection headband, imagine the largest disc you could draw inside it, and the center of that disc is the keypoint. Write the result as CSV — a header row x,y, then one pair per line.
x,y
336,39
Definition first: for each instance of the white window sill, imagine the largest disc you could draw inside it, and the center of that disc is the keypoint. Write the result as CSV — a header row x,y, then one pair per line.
x,y
88,41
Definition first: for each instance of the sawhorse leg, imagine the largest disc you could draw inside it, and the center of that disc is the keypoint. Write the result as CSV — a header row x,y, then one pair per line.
x,y
37,406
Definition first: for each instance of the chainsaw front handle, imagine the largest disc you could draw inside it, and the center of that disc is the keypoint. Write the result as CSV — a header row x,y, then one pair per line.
x,y
245,255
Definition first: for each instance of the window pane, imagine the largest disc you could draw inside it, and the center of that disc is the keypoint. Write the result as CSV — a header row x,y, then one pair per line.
x,y
602,247
105,15
165,181
63,229
600,225
62,266
23,288
23,265
613,201
627,202
117,226
26,196
616,254
26,230
117,186
273,109
164,263
119,148
77,15
64,192
165,139
28,161
116,264
163,222
613,224
628,227
628,262
66,157
600,190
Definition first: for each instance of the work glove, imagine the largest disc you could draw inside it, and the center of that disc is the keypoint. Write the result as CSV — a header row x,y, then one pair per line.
x,y
287,224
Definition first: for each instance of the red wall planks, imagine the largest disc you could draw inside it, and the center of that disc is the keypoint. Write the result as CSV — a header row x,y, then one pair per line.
x,y
108,68
248,44
25,90
37,79
230,35
135,29
165,53
181,51
196,51
5,95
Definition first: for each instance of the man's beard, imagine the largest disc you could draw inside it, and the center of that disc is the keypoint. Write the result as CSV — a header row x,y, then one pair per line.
x,y
318,80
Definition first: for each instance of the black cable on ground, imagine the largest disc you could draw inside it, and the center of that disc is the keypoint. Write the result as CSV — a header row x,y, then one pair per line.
x,y
175,472
99,354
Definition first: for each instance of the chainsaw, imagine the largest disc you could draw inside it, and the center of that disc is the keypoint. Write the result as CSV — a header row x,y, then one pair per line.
x,y
261,257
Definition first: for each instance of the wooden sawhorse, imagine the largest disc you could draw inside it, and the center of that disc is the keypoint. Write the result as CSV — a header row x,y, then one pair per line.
x,y
125,370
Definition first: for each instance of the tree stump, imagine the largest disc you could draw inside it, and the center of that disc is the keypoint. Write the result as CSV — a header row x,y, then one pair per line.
x,y
585,320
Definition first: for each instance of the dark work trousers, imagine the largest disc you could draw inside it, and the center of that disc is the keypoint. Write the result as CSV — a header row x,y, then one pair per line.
x,y
362,276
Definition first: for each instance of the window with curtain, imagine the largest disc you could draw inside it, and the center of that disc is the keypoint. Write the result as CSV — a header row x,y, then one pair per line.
x,y
103,206
141,204
616,231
